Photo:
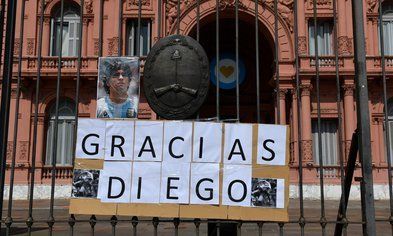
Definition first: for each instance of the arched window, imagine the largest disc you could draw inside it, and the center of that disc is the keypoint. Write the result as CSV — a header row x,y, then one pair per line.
x,y
71,24
65,133
387,20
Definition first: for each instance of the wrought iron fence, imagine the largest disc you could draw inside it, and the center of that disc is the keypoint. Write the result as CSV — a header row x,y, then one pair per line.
x,y
17,66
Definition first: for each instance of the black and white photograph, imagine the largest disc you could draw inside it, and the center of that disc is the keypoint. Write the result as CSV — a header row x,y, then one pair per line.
x,y
118,87
85,183
263,192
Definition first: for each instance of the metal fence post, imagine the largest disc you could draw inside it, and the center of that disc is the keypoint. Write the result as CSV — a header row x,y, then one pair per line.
x,y
363,117
6,91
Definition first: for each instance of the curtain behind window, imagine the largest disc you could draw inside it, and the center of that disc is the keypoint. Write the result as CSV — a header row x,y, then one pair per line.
x,y
324,36
65,133
387,19
144,39
71,24
329,141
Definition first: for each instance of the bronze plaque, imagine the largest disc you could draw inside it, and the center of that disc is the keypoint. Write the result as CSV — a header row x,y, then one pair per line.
x,y
176,77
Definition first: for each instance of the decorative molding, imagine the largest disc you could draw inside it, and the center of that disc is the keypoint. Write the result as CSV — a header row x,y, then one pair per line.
x,y
282,93
302,45
305,89
225,4
89,6
344,46
348,89
14,93
16,46
285,9
371,5
113,46
133,4
96,46
23,150
307,151
10,147
321,4
30,46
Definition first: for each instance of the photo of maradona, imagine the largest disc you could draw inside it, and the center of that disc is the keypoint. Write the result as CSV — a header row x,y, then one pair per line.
x,y
118,87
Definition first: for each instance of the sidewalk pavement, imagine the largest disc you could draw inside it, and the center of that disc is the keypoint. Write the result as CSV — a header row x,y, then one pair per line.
x,y
312,212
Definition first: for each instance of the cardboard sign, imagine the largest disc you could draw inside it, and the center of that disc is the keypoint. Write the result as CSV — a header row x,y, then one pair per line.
x,y
181,169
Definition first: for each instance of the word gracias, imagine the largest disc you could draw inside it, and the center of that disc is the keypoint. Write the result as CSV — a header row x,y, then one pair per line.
x,y
120,140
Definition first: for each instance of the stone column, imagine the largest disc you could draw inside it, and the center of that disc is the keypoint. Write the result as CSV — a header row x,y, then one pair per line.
x,y
306,123
344,42
46,37
283,118
85,36
349,113
302,43
295,128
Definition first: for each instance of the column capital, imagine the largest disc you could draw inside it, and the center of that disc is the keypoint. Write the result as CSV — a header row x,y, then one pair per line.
x,y
348,89
282,92
305,89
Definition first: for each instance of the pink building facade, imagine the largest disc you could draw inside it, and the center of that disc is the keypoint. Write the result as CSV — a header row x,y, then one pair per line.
x,y
153,21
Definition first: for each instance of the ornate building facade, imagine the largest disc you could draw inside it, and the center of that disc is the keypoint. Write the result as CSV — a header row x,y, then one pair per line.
x,y
118,37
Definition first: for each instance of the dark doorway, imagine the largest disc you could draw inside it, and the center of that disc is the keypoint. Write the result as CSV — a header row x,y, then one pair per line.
x,y
247,48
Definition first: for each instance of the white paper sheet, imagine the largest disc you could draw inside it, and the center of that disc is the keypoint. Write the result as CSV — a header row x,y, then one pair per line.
x,y
90,139
119,192
236,189
148,140
272,146
238,141
177,141
207,142
175,183
119,140
205,186
146,180
280,193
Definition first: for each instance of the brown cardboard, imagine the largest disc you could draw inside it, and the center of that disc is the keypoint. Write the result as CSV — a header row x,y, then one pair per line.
x,y
89,164
257,214
149,210
90,206
203,211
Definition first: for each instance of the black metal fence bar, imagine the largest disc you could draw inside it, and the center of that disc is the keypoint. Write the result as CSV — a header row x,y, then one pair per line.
x,y
363,123
320,157
6,90
386,115
299,119
51,219
257,62
8,220
237,59
30,220
277,62
120,30
217,59
339,111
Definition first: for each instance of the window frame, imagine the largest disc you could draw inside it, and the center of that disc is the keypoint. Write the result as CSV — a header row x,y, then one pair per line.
x,y
131,29
68,19
333,161
328,23
49,124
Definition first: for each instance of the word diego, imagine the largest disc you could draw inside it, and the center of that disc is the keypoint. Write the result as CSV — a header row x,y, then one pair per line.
x,y
184,142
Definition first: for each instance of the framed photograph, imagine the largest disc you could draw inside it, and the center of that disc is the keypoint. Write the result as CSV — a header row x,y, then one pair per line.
x,y
118,87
